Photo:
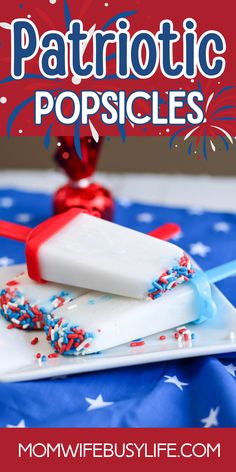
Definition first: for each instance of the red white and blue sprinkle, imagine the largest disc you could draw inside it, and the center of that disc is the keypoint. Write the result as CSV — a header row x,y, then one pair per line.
x,y
232,336
183,334
17,309
162,337
53,355
172,277
23,313
137,342
66,339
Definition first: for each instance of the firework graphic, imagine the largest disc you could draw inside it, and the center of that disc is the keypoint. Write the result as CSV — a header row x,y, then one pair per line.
x,y
217,111
38,78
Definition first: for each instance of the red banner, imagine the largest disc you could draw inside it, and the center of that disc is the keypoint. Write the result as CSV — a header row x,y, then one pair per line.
x,y
165,105
129,449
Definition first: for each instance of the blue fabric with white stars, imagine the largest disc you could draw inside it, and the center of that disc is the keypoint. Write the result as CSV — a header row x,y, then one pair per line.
x,y
194,392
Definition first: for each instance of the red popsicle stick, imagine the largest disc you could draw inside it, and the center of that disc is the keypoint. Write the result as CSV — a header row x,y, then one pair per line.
x,y
14,231
20,233
165,232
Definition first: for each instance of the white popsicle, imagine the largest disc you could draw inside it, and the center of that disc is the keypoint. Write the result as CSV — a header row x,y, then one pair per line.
x,y
85,251
96,254
95,322
24,302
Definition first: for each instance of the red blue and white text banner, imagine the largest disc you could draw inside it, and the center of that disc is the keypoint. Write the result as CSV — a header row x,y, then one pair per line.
x,y
118,68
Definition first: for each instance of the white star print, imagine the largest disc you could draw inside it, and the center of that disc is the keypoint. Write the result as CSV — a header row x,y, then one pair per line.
x,y
6,202
125,202
195,211
145,217
23,217
6,261
174,380
231,369
21,424
199,249
221,226
211,420
96,403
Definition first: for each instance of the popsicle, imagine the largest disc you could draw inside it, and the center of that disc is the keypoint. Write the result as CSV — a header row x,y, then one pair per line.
x,y
24,303
85,251
95,322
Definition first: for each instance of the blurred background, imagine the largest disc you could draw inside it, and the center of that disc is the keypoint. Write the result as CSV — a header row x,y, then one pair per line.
x,y
136,155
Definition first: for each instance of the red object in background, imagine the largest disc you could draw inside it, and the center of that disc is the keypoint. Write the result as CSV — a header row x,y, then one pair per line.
x,y
85,195
67,158
80,192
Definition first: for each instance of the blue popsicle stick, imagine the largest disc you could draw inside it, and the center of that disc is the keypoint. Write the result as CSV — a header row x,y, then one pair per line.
x,y
205,305
221,272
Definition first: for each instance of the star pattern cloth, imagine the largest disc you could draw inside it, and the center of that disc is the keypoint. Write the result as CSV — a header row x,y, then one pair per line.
x,y
198,392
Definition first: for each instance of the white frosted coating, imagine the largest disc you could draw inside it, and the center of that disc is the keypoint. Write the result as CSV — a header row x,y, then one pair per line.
x,y
116,320
93,253
40,294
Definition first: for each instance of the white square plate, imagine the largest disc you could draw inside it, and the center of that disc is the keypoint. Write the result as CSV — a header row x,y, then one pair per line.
x,y
17,355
